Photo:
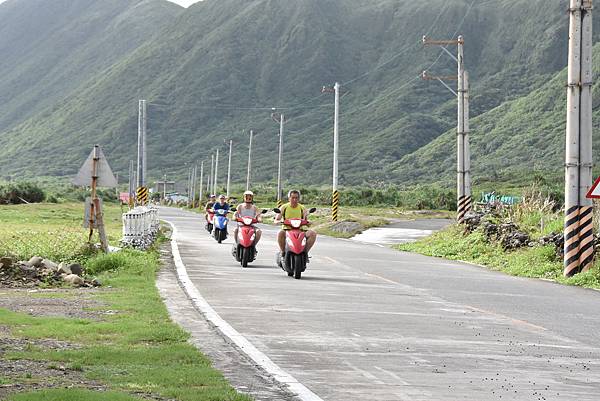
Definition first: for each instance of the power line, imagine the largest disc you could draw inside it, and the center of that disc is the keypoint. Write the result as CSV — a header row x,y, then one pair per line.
x,y
442,10
395,90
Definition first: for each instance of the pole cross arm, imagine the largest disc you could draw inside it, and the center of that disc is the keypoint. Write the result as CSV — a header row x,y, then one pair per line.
x,y
431,42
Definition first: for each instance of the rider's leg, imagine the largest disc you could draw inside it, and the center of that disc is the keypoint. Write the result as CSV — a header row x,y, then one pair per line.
x,y
235,235
311,237
281,241
258,234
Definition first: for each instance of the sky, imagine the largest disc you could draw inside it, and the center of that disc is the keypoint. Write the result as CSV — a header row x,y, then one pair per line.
x,y
184,3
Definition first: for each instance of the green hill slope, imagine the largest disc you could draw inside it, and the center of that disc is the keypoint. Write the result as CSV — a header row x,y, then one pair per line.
x,y
523,136
216,69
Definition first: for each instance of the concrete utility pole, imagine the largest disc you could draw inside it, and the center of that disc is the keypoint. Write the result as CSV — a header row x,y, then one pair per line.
x,y
131,182
211,176
579,246
200,184
249,161
281,121
189,185
194,178
141,159
229,167
335,200
165,188
463,170
216,172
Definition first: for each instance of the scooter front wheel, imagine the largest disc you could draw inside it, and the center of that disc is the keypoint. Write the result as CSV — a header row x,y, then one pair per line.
x,y
297,266
245,256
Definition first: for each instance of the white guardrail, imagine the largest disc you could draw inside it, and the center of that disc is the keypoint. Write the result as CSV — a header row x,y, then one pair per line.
x,y
140,227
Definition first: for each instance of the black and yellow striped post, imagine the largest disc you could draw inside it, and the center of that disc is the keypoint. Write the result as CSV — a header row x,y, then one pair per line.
x,y
335,204
279,203
465,203
578,233
142,196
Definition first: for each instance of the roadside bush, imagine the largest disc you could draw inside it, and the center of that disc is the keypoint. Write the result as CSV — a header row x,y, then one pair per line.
x,y
21,192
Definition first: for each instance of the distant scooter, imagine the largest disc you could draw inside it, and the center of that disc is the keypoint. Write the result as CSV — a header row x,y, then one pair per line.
x,y
220,225
245,250
295,259
211,217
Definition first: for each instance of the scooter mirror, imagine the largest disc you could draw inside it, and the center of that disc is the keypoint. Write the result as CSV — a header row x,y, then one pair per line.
x,y
276,210
264,211
312,210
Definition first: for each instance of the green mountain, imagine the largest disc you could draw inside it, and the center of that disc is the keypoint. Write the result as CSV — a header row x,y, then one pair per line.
x,y
215,70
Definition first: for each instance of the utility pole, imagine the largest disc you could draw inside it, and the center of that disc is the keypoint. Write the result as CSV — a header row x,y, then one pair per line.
x,y
280,120
200,183
335,199
211,176
194,179
131,182
249,161
165,189
216,172
141,159
189,185
229,167
579,246
463,170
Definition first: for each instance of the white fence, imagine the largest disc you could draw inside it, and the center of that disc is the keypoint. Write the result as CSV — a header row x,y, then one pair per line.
x,y
140,227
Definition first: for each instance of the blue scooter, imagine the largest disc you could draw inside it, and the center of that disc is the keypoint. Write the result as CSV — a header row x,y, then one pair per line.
x,y
220,225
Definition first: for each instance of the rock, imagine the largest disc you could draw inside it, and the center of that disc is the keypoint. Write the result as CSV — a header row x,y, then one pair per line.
x,y
76,268
50,265
6,261
349,227
74,279
96,283
35,261
63,269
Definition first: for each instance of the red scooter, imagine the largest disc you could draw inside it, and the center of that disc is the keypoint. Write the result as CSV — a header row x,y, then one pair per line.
x,y
245,250
210,224
295,259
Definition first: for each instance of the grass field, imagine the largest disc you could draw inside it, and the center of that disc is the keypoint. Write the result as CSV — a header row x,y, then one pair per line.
x,y
534,218
128,346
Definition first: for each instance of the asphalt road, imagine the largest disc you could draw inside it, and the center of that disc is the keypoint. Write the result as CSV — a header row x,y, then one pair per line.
x,y
370,323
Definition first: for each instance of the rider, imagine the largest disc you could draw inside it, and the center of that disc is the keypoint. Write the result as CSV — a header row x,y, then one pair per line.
x,y
248,209
209,205
293,210
221,204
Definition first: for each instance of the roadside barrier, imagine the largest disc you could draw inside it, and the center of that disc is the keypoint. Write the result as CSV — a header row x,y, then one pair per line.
x,y
140,227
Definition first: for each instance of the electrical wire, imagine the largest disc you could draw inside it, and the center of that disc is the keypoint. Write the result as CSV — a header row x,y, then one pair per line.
x,y
442,10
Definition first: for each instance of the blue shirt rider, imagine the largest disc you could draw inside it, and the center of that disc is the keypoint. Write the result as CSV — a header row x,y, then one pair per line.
x,y
221,204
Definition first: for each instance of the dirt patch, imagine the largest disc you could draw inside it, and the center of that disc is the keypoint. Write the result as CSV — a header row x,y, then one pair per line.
x,y
70,303
20,375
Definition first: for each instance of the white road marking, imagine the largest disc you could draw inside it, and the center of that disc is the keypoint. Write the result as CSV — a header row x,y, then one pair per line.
x,y
228,331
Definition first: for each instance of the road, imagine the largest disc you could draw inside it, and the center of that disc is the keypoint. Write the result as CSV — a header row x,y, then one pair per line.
x,y
370,323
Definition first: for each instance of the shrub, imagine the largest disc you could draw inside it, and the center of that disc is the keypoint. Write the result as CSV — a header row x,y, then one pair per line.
x,y
21,192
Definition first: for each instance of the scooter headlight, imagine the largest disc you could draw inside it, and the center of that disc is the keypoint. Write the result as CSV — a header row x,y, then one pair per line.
x,y
296,223
247,220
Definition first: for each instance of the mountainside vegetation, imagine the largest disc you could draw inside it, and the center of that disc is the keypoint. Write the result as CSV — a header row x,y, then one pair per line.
x,y
215,70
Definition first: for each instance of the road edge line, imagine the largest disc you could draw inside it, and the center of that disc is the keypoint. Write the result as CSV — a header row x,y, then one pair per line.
x,y
232,334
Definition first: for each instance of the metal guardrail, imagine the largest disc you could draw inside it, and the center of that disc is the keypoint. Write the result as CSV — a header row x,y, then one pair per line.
x,y
140,227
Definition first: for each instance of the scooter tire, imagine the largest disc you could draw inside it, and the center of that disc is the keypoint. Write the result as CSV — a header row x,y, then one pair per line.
x,y
297,266
245,257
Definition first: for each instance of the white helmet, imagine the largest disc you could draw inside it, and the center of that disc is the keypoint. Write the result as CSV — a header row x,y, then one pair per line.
x,y
249,193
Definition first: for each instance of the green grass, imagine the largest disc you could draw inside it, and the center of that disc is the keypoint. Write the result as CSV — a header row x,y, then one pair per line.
x,y
137,349
52,231
72,395
537,262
